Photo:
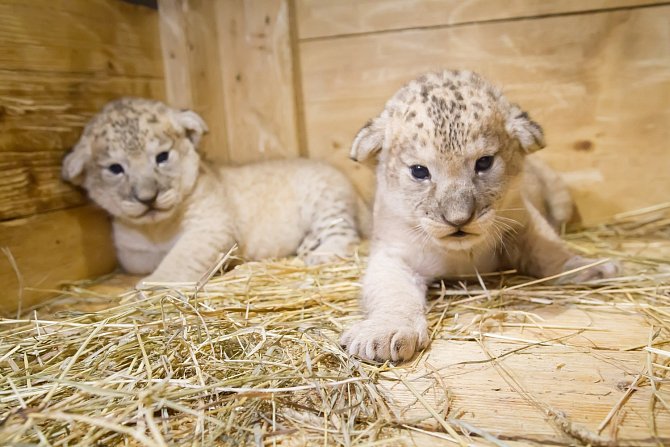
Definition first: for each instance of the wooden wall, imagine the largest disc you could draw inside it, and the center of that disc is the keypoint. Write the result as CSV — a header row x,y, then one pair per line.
x,y
278,78
233,62
60,61
595,73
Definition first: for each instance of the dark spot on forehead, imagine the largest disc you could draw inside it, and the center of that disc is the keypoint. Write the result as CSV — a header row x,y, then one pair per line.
x,y
424,93
410,116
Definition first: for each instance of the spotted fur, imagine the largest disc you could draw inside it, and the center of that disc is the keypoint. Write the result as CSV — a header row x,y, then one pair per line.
x,y
174,214
458,221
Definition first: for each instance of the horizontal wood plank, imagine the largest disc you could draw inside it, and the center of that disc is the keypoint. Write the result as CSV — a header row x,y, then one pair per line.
x,y
327,18
80,36
44,111
51,248
599,84
30,182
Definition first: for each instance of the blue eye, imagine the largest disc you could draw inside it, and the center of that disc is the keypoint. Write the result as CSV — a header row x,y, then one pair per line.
x,y
420,172
162,157
116,169
484,163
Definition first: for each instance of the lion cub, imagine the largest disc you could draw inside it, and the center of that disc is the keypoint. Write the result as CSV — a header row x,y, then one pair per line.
x,y
174,214
456,195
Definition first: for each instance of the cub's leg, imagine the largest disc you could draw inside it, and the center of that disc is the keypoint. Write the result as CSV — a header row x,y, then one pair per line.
x,y
395,324
194,253
332,232
541,253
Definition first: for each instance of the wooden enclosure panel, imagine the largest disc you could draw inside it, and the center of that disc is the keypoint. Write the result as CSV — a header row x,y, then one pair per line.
x,y
193,72
102,37
232,62
51,248
105,37
30,183
327,18
599,83
258,75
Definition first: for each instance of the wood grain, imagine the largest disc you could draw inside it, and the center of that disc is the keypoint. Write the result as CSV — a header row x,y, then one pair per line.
x,y
51,248
104,37
582,376
30,183
193,69
258,76
232,63
43,111
599,83
327,18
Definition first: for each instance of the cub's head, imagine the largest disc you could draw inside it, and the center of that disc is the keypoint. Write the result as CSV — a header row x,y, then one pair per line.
x,y
137,159
450,147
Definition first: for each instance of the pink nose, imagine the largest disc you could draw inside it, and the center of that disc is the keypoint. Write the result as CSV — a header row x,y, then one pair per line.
x,y
458,220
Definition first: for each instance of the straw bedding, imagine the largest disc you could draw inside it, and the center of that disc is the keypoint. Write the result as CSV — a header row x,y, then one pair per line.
x,y
251,357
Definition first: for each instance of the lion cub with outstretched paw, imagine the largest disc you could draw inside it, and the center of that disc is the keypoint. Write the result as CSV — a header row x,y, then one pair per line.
x,y
174,214
456,195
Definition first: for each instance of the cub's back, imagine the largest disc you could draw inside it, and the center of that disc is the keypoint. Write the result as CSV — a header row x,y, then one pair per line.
x,y
275,202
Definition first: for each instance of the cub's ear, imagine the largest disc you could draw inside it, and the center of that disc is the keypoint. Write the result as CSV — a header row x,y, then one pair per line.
x,y
193,124
526,131
75,161
369,140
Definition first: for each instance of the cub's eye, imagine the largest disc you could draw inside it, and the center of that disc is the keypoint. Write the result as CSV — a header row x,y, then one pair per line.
x,y
115,169
162,157
484,163
420,172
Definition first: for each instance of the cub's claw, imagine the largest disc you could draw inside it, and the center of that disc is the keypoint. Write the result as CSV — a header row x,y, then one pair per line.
x,y
381,340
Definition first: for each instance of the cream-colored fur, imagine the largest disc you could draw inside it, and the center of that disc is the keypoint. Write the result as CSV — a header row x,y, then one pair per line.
x,y
174,214
453,215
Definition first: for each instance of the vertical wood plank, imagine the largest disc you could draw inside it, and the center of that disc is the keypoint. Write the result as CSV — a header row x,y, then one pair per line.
x,y
193,73
257,71
232,61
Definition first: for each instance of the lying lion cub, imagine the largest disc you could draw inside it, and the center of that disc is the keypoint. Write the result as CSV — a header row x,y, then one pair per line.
x,y
456,195
174,214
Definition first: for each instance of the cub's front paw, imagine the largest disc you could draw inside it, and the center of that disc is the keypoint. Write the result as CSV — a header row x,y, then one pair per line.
x,y
605,270
383,340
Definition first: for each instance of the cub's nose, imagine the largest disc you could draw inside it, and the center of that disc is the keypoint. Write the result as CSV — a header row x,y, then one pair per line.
x,y
146,197
458,220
